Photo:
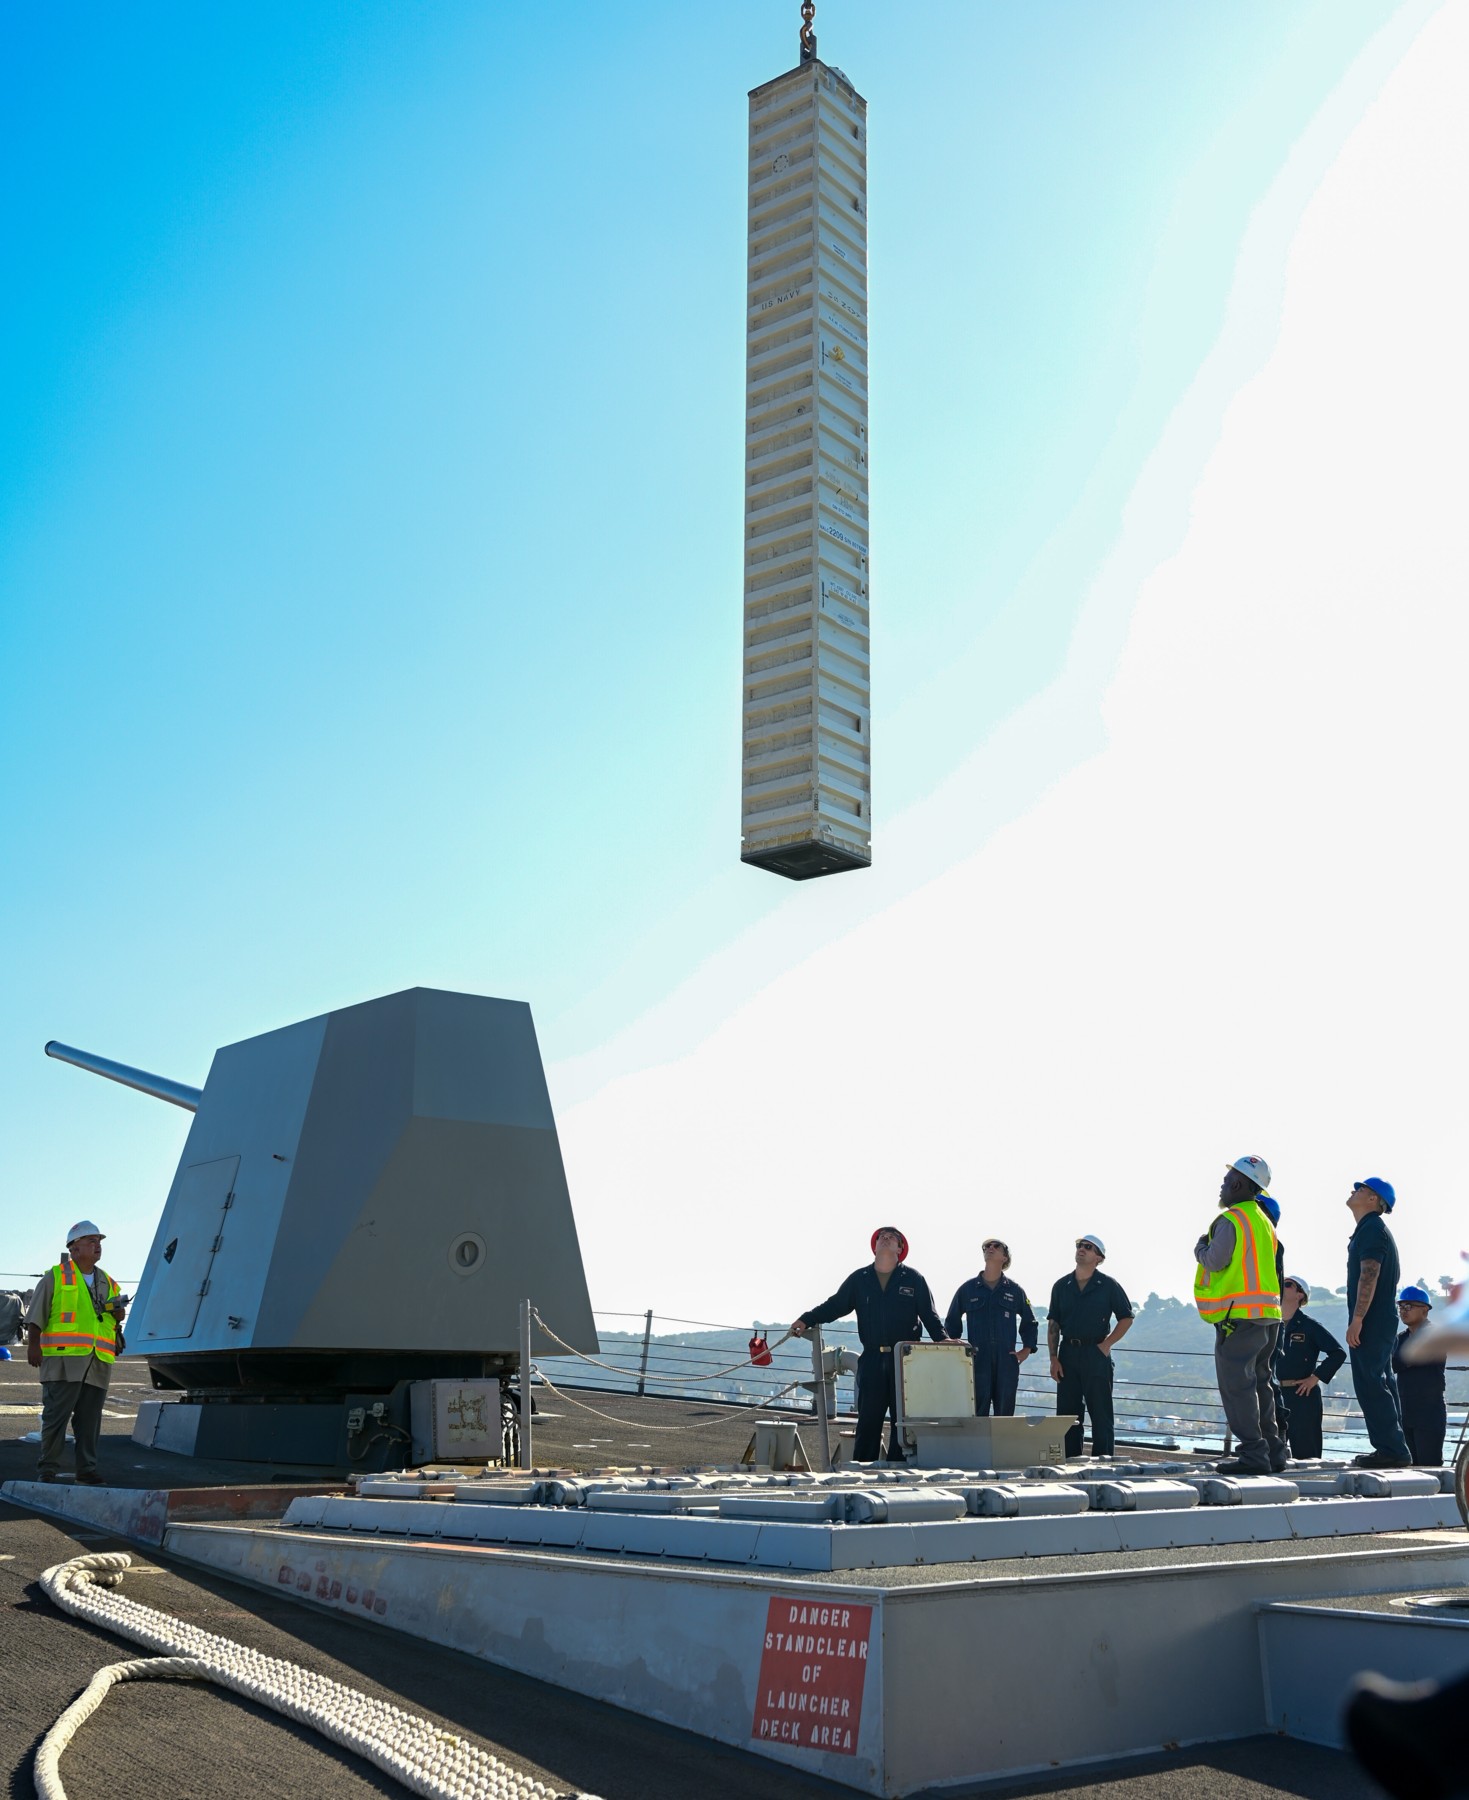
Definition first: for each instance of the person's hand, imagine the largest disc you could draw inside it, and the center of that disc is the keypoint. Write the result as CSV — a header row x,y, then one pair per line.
x,y
1354,1335
1021,1354
1306,1384
33,1354
800,1328
1106,1350
1055,1368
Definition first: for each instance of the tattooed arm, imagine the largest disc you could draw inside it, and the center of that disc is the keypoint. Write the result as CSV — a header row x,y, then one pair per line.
x,y
1366,1288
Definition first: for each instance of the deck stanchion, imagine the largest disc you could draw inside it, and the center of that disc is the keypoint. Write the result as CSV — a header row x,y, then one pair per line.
x,y
527,1461
818,1371
643,1366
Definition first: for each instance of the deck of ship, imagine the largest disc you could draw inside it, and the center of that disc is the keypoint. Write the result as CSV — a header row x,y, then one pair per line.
x,y
170,1740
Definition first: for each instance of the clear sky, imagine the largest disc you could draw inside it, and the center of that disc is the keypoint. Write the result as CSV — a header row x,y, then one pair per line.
x,y
371,385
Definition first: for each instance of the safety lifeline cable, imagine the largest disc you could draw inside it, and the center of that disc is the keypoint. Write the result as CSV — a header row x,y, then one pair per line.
x,y
667,1380
733,1412
424,1757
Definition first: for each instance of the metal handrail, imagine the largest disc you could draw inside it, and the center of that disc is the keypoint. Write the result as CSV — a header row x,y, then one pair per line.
x,y
1199,1409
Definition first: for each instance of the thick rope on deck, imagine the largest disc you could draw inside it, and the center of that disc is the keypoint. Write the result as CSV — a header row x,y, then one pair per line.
x,y
424,1757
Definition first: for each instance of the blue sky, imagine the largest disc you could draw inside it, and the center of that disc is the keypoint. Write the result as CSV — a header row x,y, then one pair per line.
x,y
370,495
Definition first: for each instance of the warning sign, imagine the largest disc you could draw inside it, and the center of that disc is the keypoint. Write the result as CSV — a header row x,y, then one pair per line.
x,y
812,1672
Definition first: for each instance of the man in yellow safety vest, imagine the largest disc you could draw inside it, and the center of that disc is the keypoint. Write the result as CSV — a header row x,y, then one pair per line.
x,y
1237,1291
74,1332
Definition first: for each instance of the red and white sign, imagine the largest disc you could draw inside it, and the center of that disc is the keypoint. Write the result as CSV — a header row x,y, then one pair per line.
x,y
812,1672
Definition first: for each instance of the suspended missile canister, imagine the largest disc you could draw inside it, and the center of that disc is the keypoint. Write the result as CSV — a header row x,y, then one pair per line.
x,y
807,769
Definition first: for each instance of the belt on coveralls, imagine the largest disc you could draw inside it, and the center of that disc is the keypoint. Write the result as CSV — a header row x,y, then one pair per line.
x,y
1077,1340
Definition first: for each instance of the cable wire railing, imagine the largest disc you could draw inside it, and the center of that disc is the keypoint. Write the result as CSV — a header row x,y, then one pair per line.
x,y
1153,1409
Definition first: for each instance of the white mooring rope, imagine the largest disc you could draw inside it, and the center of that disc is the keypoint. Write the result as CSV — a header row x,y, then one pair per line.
x,y
423,1756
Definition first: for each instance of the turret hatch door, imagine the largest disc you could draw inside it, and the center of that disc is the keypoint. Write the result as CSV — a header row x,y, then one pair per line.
x,y
196,1224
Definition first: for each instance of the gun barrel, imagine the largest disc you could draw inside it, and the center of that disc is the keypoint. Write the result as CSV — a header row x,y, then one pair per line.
x,y
159,1086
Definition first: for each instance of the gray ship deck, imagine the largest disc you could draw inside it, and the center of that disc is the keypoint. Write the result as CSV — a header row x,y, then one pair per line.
x,y
167,1740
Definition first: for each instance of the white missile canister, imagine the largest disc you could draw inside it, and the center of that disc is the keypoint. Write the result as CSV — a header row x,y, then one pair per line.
x,y
807,766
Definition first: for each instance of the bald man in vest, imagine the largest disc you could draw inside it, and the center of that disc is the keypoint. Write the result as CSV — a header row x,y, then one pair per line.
x,y
1237,1291
74,1332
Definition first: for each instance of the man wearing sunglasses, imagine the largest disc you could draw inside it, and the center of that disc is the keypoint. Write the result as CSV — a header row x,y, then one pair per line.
x,y
893,1305
1083,1306
990,1305
1372,1285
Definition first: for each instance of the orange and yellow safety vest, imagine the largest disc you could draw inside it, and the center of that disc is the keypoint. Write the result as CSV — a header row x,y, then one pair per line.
x,y
74,1327
1249,1287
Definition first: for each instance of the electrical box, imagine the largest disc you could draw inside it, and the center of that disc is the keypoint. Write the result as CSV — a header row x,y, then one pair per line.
x,y
939,1429
938,1381
455,1421
807,762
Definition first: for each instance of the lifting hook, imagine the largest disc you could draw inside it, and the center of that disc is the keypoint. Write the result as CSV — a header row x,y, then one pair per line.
x,y
808,34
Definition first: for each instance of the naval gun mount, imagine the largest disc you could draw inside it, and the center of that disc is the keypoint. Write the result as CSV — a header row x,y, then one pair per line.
x,y
363,1201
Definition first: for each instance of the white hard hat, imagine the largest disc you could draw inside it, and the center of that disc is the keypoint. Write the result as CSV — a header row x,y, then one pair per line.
x,y
1090,1237
1255,1167
84,1228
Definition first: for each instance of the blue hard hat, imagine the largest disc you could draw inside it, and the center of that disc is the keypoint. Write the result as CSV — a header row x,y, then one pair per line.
x,y
4,1354
1414,1296
1384,1191
1271,1208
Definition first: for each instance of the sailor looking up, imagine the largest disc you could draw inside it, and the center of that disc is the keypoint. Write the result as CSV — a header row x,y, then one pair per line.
x,y
990,1305
1237,1291
1083,1305
893,1306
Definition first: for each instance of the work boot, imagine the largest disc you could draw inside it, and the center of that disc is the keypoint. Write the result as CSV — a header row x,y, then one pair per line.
x,y
1379,1459
1233,1466
46,1475
90,1480
1279,1460
1397,1735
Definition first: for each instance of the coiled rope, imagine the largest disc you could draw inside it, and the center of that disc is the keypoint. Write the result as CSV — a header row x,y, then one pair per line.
x,y
668,1380
424,1757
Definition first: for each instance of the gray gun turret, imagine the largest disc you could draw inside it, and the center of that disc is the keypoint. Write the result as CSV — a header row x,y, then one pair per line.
x,y
364,1199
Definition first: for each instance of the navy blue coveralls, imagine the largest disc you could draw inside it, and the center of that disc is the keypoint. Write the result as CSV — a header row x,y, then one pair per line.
x,y
1303,1348
1084,1317
1372,1360
990,1315
1425,1408
887,1316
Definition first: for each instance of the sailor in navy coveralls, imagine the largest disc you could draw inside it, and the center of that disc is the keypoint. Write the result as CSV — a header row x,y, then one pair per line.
x,y
893,1305
1420,1384
991,1305
1083,1304
1306,1356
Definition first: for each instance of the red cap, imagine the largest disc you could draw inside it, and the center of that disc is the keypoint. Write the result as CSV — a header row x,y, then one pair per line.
x,y
902,1241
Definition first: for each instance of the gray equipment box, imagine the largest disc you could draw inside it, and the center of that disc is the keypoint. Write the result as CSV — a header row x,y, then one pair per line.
x,y
937,1424
455,1421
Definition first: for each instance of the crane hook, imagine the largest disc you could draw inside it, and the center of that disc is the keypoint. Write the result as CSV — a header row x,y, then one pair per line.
x,y
808,35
